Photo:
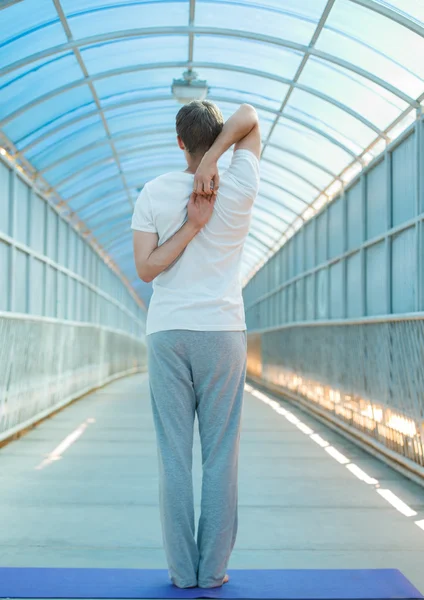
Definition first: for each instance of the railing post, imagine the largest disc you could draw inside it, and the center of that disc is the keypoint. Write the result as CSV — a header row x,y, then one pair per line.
x,y
419,171
388,241
363,184
343,200
13,233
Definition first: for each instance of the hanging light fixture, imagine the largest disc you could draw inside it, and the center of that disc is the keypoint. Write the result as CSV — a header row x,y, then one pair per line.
x,y
189,87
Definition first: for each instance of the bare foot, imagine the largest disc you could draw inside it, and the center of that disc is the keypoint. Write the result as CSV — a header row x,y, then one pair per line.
x,y
225,580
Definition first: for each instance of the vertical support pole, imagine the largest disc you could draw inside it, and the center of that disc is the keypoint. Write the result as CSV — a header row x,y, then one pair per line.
x,y
46,291
267,303
302,281
64,243
315,263
13,232
56,258
30,259
388,240
44,252
328,314
305,290
363,184
343,200
419,189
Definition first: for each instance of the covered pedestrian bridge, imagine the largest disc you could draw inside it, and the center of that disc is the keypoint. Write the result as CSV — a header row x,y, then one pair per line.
x,y
332,455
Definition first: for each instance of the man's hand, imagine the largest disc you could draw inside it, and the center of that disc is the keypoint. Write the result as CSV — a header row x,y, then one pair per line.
x,y
206,178
152,259
199,210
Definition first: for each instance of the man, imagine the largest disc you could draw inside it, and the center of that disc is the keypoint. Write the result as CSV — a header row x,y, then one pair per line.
x,y
188,240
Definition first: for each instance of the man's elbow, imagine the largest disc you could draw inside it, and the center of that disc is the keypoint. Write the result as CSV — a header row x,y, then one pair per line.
x,y
253,114
144,274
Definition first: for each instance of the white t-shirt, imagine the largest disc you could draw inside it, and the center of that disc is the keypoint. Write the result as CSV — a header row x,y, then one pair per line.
x,y
202,290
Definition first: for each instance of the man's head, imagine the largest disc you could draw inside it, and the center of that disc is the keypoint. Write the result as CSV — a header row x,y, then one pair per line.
x,y
198,125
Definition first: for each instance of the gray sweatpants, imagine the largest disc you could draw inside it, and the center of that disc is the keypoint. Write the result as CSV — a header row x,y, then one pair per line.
x,y
203,372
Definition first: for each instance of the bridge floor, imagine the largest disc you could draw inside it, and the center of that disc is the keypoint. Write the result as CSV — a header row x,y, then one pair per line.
x,y
96,505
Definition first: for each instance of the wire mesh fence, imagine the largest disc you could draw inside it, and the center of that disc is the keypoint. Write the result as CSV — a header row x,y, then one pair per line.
x,y
44,363
370,375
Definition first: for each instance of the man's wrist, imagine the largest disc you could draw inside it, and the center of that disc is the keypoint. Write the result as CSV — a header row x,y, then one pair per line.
x,y
193,228
211,156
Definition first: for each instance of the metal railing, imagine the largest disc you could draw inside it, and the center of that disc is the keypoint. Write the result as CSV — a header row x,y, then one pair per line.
x,y
368,373
46,363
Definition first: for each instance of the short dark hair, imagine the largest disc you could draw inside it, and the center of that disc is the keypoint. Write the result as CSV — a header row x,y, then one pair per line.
x,y
198,124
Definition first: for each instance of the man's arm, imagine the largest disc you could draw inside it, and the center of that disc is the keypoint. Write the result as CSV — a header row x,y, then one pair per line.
x,y
151,259
241,129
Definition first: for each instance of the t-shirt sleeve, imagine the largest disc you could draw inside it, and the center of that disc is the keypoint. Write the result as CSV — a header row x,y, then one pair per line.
x,y
142,219
240,182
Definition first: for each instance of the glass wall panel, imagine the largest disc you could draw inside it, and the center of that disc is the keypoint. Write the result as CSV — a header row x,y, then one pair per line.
x,y
377,205
376,279
51,292
354,286
37,223
310,298
5,200
322,294
310,244
336,291
322,234
300,300
404,271
404,195
4,276
355,219
22,211
37,289
52,234
62,286
336,233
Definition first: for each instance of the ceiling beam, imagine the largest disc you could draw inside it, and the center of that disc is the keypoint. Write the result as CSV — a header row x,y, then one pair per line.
x,y
77,53
97,183
114,106
125,214
139,134
394,15
207,65
106,159
271,214
210,31
255,217
318,29
140,151
137,172
259,241
122,231
8,3
300,155
191,14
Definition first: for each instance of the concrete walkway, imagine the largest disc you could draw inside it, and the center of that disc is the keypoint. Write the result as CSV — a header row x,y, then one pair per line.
x,y
97,504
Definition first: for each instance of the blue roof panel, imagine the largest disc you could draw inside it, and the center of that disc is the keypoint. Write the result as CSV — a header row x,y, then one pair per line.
x,y
27,28
131,53
38,114
331,83
97,18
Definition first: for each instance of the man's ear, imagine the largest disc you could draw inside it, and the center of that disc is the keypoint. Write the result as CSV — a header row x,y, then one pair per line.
x,y
180,143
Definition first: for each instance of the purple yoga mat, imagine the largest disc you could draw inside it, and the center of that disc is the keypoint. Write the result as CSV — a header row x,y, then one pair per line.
x,y
294,584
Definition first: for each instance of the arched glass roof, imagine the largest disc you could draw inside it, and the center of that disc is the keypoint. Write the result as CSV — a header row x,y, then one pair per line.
x,y
87,111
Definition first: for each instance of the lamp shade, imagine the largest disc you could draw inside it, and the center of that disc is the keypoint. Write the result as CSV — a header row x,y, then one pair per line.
x,y
189,88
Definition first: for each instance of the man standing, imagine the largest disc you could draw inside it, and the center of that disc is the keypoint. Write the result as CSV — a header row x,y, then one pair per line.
x,y
189,231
